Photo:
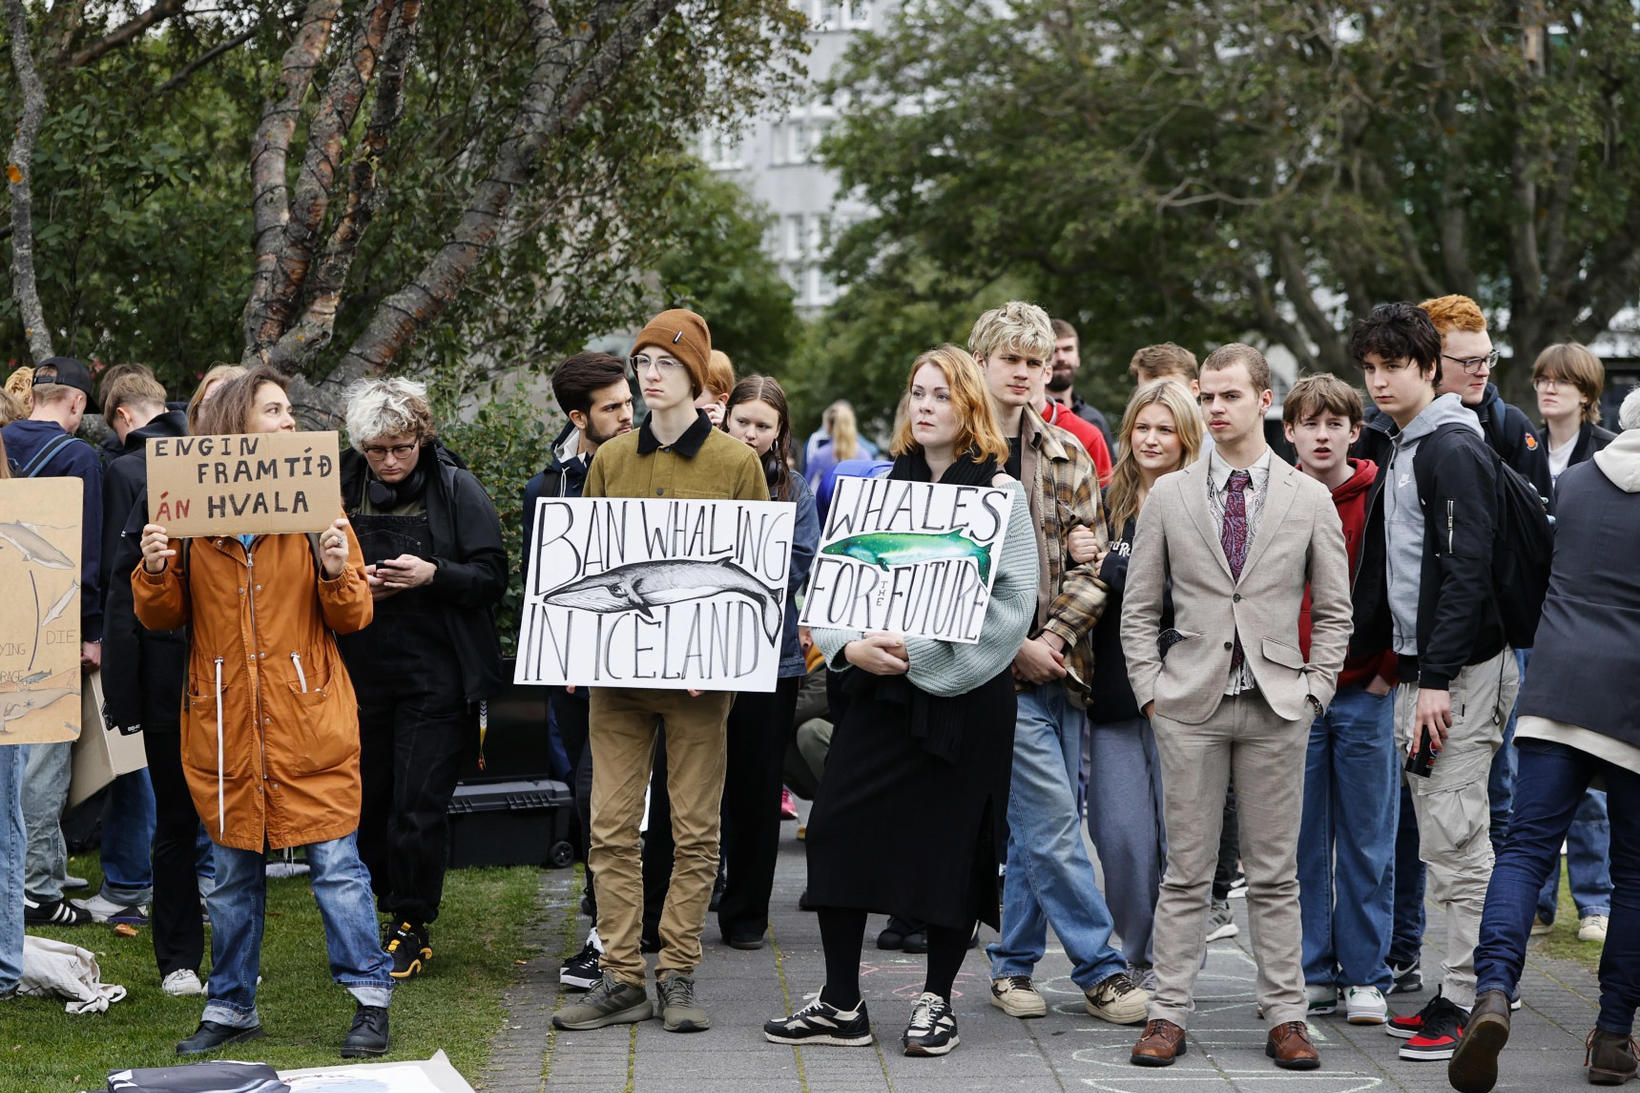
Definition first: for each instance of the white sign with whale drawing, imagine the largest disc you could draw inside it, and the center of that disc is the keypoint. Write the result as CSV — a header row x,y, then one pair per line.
x,y
658,593
916,558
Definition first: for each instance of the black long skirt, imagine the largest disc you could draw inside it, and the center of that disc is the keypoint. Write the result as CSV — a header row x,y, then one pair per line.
x,y
899,831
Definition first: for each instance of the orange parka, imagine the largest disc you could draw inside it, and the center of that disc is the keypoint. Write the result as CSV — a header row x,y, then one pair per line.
x,y
270,724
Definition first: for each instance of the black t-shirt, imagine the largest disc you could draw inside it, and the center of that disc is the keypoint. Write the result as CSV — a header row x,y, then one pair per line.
x,y
1012,466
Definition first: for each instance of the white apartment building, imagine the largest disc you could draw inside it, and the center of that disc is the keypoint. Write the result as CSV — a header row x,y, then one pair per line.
x,y
775,161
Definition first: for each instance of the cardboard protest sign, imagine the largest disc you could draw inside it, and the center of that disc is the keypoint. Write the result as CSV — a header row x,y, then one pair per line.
x,y
916,558
40,609
656,593
243,484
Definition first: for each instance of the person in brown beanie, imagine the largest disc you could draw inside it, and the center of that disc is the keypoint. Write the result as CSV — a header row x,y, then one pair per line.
x,y
674,453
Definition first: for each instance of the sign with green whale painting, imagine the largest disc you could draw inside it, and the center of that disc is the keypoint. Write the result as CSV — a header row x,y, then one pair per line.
x,y
657,593
915,558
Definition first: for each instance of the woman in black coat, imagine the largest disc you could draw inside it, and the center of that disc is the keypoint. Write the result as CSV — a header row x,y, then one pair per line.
x,y
437,568
909,817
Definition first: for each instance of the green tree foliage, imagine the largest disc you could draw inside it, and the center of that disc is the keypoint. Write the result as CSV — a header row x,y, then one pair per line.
x,y
1199,172
145,178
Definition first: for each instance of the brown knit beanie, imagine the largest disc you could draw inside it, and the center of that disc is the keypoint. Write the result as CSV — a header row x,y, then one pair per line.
x,y
683,334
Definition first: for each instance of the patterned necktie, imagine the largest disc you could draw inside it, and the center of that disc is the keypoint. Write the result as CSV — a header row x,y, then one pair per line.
x,y
1233,537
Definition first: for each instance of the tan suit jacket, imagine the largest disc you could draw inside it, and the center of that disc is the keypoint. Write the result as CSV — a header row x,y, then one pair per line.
x,y
1298,540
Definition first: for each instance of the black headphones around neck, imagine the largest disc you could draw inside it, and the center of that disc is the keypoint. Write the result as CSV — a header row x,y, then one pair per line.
x,y
390,495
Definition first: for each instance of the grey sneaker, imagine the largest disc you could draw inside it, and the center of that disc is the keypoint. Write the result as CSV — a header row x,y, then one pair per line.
x,y
609,1002
1220,922
676,1007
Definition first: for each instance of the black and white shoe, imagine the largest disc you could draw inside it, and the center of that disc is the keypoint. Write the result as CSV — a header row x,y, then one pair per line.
x,y
932,1030
39,911
581,972
821,1023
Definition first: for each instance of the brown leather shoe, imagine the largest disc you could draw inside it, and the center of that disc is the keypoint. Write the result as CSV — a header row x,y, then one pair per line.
x,y
1162,1042
1289,1045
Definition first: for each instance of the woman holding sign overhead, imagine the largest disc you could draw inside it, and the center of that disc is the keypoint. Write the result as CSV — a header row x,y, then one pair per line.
x,y
919,765
270,730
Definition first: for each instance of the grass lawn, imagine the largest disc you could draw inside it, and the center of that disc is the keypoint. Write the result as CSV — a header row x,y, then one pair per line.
x,y
1562,942
456,1005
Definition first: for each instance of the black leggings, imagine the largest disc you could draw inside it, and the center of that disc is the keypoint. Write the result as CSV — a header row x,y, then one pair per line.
x,y
843,935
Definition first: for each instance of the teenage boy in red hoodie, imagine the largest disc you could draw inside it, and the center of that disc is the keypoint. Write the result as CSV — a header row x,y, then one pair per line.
x,y
1346,843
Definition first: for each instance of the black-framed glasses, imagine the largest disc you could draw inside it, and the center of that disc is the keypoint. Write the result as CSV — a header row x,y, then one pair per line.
x,y
397,451
641,361
1475,365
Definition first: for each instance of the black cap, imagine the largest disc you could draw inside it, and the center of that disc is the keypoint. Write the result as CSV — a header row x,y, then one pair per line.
x,y
68,372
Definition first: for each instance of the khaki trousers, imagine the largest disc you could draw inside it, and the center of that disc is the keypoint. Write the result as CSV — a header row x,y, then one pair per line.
x,y
1454,810
1266,754
622,737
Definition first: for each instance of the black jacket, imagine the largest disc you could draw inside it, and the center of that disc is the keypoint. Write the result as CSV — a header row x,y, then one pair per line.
x,y
471,561
143,670
1511,435
562,478
1587,652
1458,621
1591,438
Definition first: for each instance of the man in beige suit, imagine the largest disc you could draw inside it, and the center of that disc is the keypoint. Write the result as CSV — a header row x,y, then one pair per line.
x,y
1239,534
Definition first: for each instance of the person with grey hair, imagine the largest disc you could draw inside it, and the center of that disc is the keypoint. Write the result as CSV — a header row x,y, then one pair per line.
x,y
1577,728
437,568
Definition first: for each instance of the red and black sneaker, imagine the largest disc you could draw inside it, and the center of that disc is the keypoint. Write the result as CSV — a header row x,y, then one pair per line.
x,y
1443,1025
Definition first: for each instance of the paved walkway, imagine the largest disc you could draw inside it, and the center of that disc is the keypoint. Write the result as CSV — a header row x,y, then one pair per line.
x,y
1067,1050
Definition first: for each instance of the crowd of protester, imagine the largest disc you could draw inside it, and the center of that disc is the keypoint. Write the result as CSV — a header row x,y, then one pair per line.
x,y
1434,607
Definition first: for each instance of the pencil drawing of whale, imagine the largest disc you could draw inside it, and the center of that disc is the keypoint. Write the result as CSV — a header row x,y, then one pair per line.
x,y
640,586
888,549
27,541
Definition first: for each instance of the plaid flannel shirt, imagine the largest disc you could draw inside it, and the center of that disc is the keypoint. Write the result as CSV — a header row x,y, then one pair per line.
x,y
1062,487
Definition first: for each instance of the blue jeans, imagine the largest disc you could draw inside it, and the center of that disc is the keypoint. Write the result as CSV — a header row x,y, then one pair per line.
x,y
238,904
1552,780
1050,879
1128,832
1588,846
1346,843
1500,786
13,849
128,839
46,774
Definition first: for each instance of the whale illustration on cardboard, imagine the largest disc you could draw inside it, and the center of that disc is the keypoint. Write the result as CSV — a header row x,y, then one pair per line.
x,y
642,586
888,549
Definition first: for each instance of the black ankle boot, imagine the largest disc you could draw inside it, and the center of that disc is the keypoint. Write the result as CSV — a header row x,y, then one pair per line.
x,y
368,1036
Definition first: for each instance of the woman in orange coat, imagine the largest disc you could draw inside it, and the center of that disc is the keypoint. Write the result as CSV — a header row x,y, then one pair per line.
x,y
270,731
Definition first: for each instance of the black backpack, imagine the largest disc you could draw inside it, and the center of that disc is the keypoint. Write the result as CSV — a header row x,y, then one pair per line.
x,y
1523,545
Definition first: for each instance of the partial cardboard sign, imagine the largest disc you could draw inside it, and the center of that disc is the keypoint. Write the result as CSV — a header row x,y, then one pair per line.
x,y
40,609
915,558
103,752
657,593
244,484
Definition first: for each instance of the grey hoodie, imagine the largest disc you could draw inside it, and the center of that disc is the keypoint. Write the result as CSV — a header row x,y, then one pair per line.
x,y
1620,461
1404,517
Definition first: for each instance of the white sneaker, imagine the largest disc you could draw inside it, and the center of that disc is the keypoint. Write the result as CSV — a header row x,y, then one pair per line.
x,y
1540,927
103,909
181,983
1592,928
1220,923
1365,1006
1017,997
1321,998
